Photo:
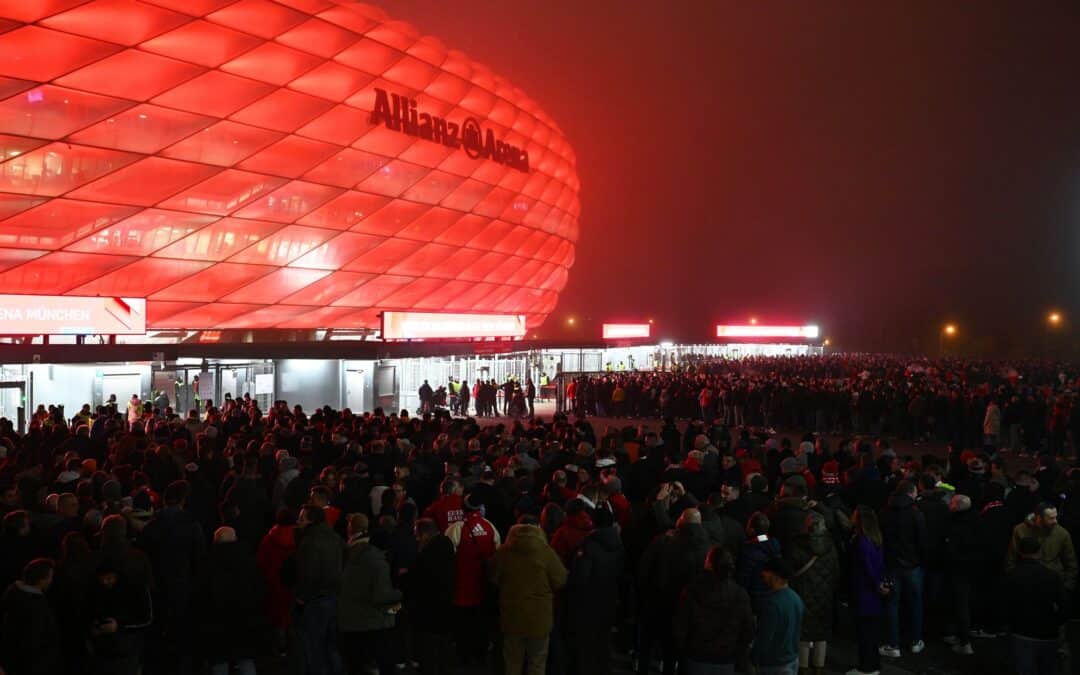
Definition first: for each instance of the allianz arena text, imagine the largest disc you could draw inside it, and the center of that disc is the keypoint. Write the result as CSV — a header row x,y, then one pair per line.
x,y
259,164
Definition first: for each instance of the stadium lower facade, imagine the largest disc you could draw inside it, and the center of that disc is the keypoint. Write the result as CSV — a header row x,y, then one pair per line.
x,y
237,166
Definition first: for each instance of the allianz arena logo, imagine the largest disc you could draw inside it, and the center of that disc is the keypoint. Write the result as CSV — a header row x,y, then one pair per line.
x,y
400,114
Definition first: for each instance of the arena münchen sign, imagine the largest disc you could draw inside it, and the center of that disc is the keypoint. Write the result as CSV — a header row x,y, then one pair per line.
x,y
400,114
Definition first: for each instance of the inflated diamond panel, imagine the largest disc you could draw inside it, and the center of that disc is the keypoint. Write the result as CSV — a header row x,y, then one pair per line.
x,y
272,163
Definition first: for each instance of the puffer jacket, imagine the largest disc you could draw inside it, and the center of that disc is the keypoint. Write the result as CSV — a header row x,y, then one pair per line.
x,y
816,584
713,623
366,591
527,573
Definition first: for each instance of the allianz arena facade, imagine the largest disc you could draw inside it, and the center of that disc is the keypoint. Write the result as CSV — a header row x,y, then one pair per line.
x,y
271,164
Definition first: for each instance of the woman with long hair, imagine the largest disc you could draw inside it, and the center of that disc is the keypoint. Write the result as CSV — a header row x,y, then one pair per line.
x,y
868,588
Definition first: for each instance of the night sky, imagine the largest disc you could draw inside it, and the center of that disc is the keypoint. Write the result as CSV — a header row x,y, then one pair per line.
x,y
878,168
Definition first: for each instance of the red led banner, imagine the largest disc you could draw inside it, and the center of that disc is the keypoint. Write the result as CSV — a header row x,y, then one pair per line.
x,y
439,326
626,331
71,315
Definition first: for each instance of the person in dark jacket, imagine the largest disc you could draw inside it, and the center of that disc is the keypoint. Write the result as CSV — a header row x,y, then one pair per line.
x,y
933,502
176,545
816,571
904,531
231,593
668,564
16,546
430,599
117,613
368,602
720,526
593,595
318,563
1035,604
963,557
994,532
714,624
758,548
30,642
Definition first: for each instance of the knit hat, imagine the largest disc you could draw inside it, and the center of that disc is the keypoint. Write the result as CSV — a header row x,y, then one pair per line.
x,y
603,517
789,465
778,566
287,463
471,504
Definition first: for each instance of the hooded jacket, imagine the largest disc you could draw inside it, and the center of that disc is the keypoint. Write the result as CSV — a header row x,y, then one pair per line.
x,y
714,623
570,535
527,573
593,583
903,528
274,549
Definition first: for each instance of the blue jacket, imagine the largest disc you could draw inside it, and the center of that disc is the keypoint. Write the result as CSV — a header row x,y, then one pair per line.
x,y
752,557
776,641
867,570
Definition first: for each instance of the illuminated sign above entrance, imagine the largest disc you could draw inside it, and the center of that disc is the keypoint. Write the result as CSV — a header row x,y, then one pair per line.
x,y
71,315
756,331
626,331
439,326
399,113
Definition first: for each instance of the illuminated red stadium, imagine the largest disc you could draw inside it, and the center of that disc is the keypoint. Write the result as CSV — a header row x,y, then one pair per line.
x,y
292,164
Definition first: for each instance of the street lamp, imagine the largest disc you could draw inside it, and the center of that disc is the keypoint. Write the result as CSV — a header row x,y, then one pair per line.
x,y
948,331
753,321
1054,319
570,321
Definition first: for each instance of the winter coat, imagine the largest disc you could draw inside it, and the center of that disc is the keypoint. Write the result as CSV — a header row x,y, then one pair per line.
x,y
903,528
366,591
29,634
176,545
816,585
867,573
430,587
230,599
274,549
527,573
722,529
963,553
570,535
714,622
127,604
935,509
1057,551
593,582
995,532
319,554
670,562
786,518
752,558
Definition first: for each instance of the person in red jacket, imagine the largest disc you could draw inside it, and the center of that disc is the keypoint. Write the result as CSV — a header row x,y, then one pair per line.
x,y
620,505
475,539
278,544
567,539
447,509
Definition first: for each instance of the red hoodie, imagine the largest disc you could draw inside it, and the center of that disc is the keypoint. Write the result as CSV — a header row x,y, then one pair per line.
x,y
476,542
570,534
278,544
445,511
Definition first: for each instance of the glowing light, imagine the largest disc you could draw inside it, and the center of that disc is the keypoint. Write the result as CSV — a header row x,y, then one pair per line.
x,y
754,331
667,344
624,331
1054,318
950,329
571,321
753,321
827,342
436,326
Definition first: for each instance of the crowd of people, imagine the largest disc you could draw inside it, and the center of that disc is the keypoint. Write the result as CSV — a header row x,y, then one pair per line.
x,y
1029,406
140,540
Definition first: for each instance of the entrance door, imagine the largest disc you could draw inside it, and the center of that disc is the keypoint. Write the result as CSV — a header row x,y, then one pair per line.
x,y
386,395
13,404
123,385
354,390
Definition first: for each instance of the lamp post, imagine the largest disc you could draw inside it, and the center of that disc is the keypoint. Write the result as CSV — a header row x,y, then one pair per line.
x,y
948,331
